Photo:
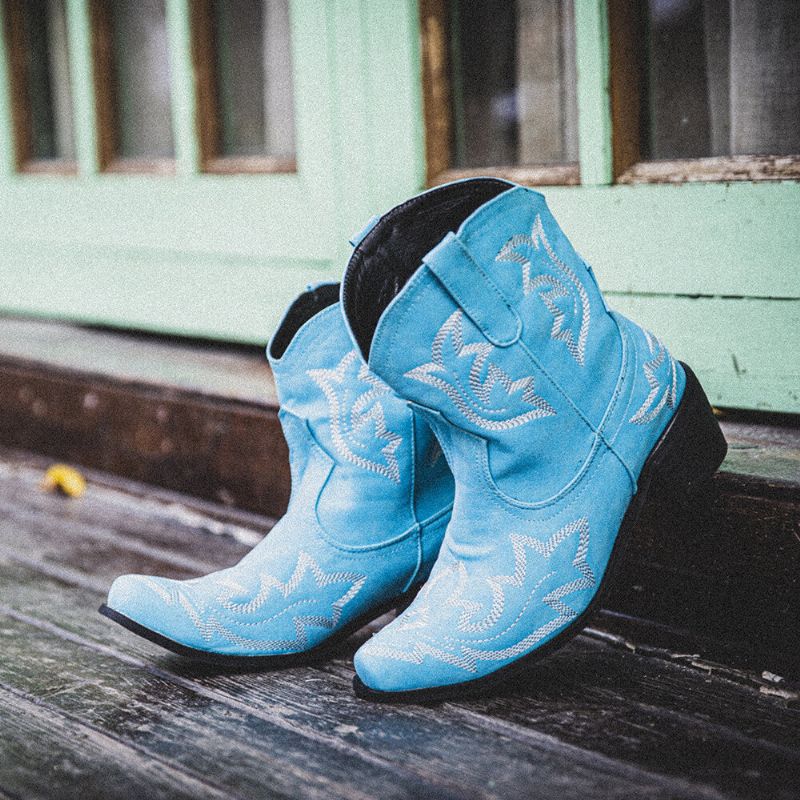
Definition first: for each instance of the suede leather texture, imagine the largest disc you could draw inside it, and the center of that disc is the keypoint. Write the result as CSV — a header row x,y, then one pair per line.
x,y
546,405
371,497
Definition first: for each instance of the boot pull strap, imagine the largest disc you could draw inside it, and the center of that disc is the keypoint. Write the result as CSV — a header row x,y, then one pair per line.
x,y
472,288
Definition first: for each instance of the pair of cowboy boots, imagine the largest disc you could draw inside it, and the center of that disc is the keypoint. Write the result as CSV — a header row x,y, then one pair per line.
x,y
469,423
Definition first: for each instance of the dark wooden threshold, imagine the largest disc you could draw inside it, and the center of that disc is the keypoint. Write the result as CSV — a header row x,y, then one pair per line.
x,y
202,420
193,419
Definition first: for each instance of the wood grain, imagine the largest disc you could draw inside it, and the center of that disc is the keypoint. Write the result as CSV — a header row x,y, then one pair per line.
x,y
20,107
716,168
437,106
626,82
105,82
201,22
529,175
601,717
223,744
724,569
236,165
44,754
549,730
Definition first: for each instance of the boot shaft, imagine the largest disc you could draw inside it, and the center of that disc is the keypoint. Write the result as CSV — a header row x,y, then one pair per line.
x,y
501,331
358,454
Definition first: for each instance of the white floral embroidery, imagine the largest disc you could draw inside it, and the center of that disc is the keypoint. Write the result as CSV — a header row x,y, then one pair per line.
x,y
155,586
463,653
365,422
220,589
483,378
660,395
552,287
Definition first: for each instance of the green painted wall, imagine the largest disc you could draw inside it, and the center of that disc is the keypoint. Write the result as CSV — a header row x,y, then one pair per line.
x,y
713,268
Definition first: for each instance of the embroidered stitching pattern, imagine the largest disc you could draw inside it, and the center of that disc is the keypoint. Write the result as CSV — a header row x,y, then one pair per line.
x,y
211,625
156,587
366,418
553,287
650,409
435,373
419,617
465,655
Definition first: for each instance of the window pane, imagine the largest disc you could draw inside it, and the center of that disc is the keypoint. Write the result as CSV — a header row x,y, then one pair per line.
x,y
142,79
514,76
47,81
254,78
723,78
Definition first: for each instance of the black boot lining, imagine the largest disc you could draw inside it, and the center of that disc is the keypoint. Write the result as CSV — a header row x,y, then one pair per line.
x,y
393,250
306,306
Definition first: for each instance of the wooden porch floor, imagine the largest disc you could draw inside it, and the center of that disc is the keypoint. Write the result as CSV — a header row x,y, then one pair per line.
x,y
88,710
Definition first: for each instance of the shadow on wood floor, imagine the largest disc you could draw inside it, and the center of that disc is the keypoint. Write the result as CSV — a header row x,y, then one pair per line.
x,y
88,710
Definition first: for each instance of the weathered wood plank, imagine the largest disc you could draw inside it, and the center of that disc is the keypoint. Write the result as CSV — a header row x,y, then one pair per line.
x,y
715,168
588,713
170,539
639,707
202,445
207,741
724,568
238,373
136,516
45,755
767,451
423,752
100,553
587,707
203,420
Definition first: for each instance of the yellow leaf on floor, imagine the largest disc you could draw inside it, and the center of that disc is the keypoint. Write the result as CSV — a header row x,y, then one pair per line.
x,y
64,479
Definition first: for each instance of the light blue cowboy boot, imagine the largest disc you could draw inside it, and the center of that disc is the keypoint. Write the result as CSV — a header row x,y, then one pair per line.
x,y
370,501
557,416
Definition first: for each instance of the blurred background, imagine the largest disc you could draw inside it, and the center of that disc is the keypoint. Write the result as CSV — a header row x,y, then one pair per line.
x,y
184,167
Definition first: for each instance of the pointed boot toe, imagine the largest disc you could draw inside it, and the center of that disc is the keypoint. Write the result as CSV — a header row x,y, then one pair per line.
x,y
143,598
130,595
559,418
403,663
370,502
152,607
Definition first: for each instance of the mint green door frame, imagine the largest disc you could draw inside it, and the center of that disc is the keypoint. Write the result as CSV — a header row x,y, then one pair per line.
x,y
710,267
218,255
713,268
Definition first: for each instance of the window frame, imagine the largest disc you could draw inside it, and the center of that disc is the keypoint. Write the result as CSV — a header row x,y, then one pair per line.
x,y
20,108
625,85
438,115
203,60
124,233
609,121
105,97
221,257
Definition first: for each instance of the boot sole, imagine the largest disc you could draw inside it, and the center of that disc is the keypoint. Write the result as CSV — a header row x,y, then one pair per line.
x,y
321,651
687,454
